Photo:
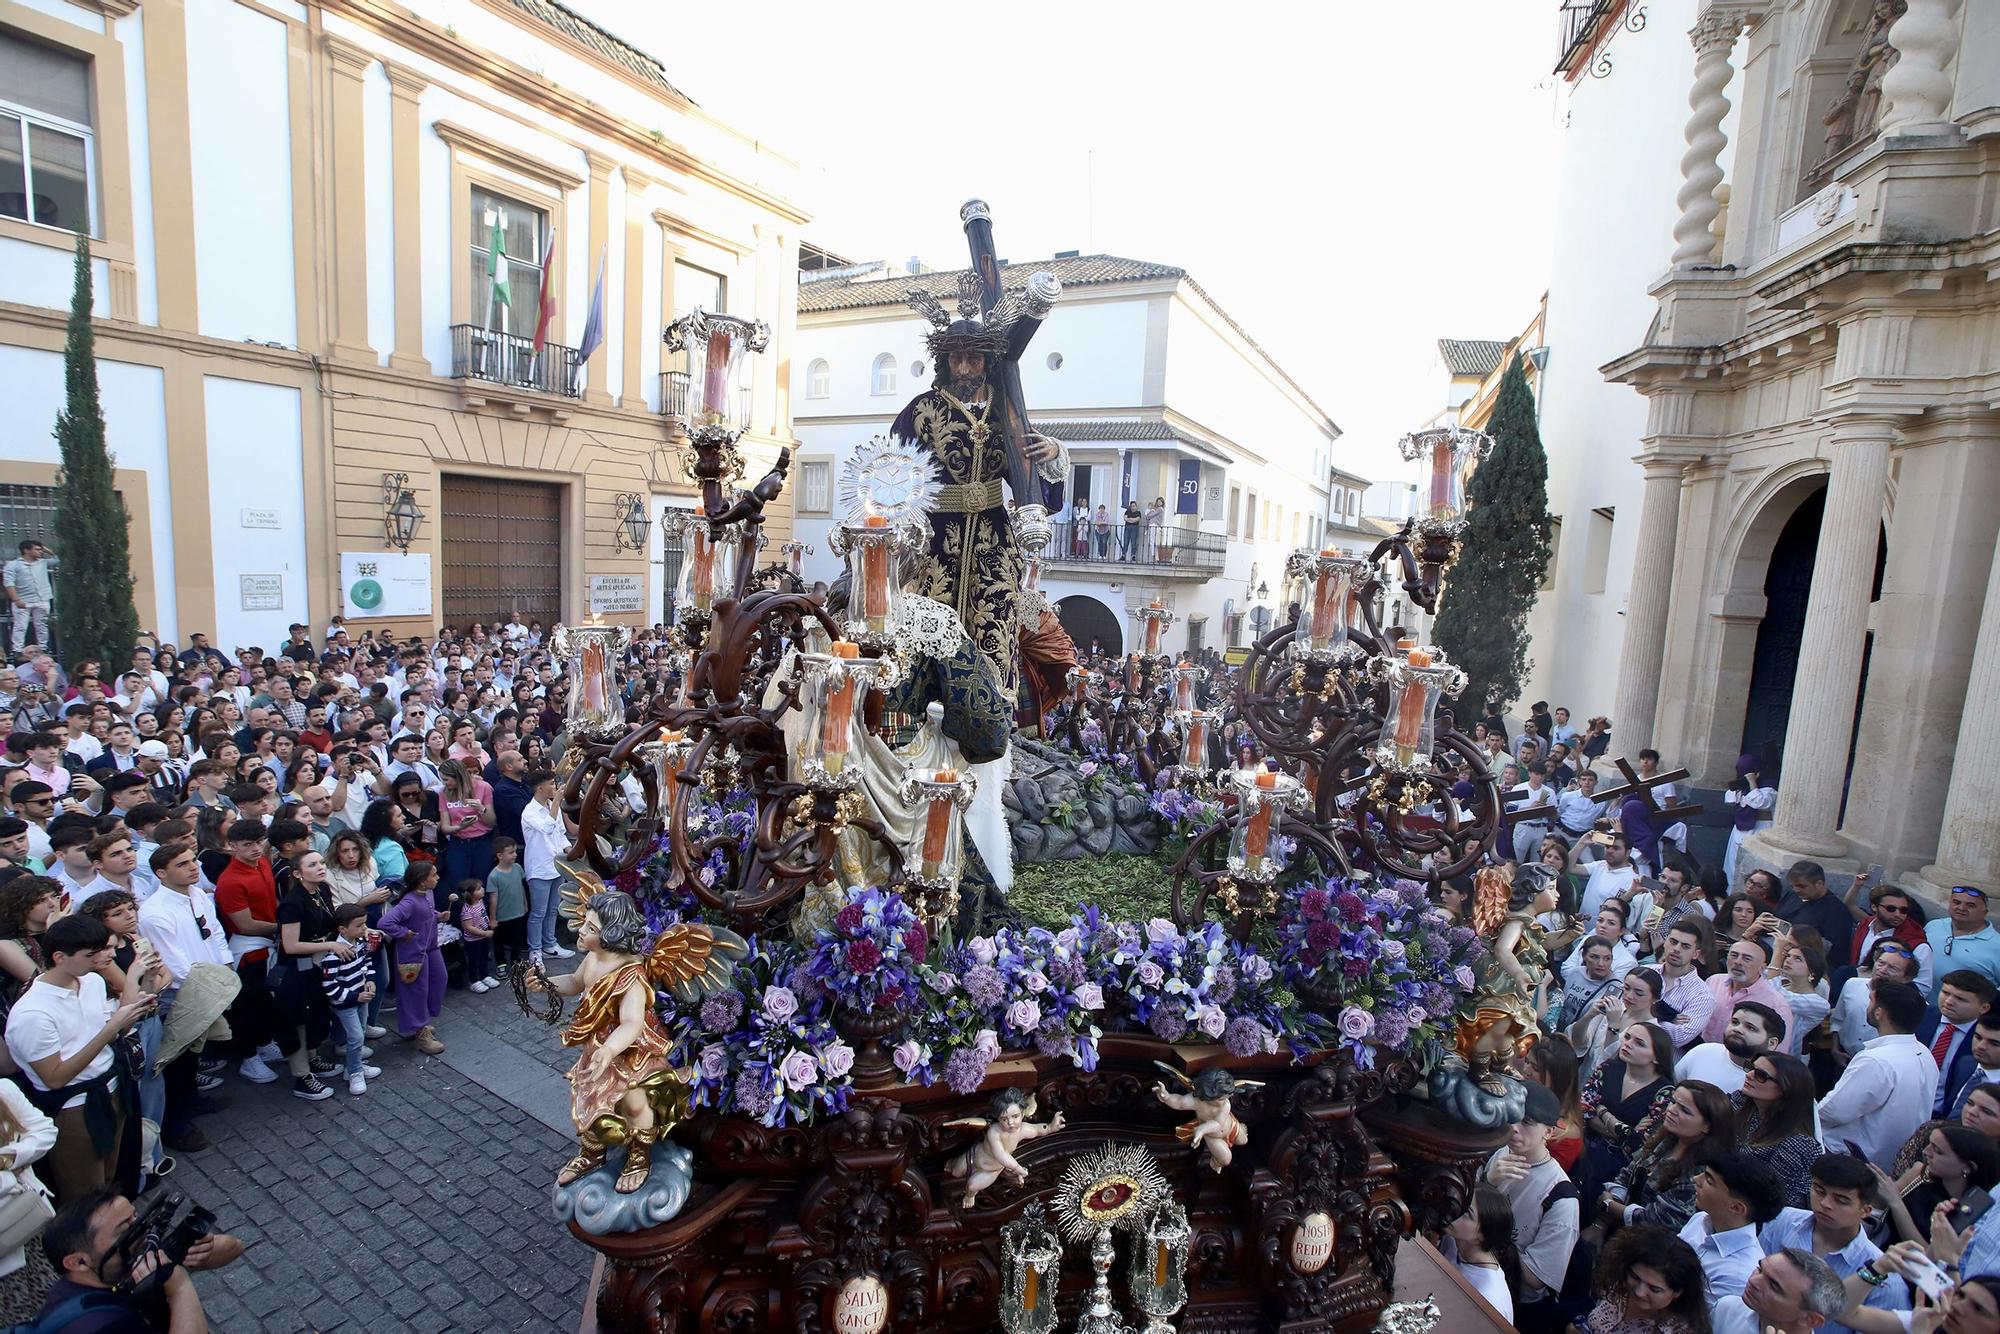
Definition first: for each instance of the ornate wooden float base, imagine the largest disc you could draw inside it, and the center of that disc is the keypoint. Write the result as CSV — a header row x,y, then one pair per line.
x,y
1300,1233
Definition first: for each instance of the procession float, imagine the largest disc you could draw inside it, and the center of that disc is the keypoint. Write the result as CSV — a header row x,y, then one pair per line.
x,y
830,1079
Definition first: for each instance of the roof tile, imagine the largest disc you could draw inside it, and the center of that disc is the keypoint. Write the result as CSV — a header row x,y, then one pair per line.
x,y
1471,356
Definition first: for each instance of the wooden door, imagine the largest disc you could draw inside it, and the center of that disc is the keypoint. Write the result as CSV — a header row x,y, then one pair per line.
x,y
502,550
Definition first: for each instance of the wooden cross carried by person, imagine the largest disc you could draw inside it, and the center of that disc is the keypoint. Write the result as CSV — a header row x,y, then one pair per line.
x,y
1643,789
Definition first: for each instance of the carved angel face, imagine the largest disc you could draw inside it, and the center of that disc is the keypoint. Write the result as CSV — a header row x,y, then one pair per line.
x,y
1010,1119
589,934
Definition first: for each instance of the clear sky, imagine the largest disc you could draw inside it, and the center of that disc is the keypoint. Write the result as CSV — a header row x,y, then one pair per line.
x,y
1351,181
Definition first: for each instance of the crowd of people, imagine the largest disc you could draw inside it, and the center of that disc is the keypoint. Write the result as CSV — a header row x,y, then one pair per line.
x,y
1754,1104
250,866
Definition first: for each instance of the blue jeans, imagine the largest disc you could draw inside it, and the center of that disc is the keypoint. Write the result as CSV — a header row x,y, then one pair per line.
x,y
152,1086
350,1019
464,859
542,909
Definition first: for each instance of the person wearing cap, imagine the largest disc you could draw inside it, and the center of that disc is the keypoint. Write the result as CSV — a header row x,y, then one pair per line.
x,y
1964,938
163,777
1545,1204
1736,1194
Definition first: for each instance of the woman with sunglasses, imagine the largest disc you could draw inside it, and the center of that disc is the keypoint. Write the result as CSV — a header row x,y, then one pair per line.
x,y
1774,1111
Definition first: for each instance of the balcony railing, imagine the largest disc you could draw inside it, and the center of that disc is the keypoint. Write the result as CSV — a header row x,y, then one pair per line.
x,y
509,359
1582,20
1152,550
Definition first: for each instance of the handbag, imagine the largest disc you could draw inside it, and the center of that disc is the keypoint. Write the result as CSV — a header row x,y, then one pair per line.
x,y
410,972
24,1209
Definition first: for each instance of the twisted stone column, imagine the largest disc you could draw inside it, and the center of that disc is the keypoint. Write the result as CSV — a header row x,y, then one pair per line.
x,y
1969,841
1701,169
1916,90
1652,589
1829,676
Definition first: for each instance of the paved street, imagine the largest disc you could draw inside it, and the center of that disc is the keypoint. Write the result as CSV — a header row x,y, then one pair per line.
x,y
423,1205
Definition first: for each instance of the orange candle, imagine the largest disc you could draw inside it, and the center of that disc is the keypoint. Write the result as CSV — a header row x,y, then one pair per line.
x,y
1441,477
1325,607
875,576
1410,712
1032,1288
1160,1264
937,823
837,713
1132,672
1183,686
1197,743
715,372
1153,628
670,759
1258,836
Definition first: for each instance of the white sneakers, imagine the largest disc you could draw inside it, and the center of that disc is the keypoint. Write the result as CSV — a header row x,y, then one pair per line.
x,y
270,1055
358,1084
375,1032
562,953
256,1071
484,984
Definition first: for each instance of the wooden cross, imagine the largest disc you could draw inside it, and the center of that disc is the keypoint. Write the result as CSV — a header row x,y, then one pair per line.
x,y
1643,787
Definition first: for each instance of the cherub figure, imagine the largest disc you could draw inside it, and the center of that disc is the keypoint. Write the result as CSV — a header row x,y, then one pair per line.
x,y
1215,1127
623,1089
993,1156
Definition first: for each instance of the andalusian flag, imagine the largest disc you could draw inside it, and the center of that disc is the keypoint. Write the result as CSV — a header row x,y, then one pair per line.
x,y
496,263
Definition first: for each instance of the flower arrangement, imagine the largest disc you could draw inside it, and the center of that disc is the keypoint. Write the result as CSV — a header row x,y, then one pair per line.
x,y
1184,813
1391,969
871,956
764,1048
1203,985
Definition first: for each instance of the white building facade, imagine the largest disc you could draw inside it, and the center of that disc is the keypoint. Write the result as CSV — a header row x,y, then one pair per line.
x,y
1157,394
291,210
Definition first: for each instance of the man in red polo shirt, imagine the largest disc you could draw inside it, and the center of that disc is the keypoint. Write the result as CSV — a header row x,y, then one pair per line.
x,y
246,894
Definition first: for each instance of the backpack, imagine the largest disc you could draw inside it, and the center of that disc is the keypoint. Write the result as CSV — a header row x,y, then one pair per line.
x,y
57,1318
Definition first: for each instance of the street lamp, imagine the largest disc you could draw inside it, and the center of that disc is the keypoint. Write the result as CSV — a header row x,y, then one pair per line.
x,y
629,533
400,515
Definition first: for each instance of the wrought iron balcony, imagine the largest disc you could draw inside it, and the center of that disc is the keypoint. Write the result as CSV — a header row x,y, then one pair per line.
x,y
502,358
1584,25
1157,551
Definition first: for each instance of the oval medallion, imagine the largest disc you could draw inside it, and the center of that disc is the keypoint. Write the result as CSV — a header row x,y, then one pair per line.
x,y
862,1305
1312,1243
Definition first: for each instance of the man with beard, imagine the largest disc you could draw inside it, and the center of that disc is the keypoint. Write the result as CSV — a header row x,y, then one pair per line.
x,y
1890,1086
1754,1029
976,564
1743,979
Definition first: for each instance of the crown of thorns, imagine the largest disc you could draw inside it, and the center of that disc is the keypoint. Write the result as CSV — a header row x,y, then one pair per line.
x,y
967,330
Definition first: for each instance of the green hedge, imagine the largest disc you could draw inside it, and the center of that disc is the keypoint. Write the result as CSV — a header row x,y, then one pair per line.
x,y
1126,888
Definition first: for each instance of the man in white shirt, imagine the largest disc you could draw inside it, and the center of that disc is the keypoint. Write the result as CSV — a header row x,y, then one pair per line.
x,y
181,922
1534,804
1604,879
59,1033
1790,1292
1888,1089
1754,1030
77,739
1736,1194
544,838
1892,962
116,864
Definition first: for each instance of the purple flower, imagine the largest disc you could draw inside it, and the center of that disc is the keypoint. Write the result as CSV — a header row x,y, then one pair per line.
x,y
714,1061
1036,981
1090,996
849,919
1392,1028
720,1012
1356,1023
1256,968
837,1060
987,1043
1393,949
780,1004
1223,988
799,1071
1087,769
1167,1024
983,949
907,1056
1463,976
944,983
984,986
1150,973
1051,1040
1417,1014
753,1095
1023,1015
863,956
1161,930
1244,1037
966,1070
1210,1020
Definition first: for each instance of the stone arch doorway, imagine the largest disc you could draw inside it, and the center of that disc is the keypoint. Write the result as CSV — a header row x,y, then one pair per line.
x,y
1789,555
1088,621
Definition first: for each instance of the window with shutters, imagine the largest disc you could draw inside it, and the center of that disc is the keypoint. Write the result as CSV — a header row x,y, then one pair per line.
x,y
47,158
816,486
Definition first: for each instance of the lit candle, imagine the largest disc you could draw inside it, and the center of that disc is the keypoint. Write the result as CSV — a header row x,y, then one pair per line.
x,y
701,552
1410,713
1258,836
1153,623
837,713
1197,743
715,372
1441,477
1079,682
593,673
670,759
937,823
875,574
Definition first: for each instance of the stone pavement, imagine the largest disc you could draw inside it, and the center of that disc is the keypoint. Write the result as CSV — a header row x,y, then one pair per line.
x,y
422,1205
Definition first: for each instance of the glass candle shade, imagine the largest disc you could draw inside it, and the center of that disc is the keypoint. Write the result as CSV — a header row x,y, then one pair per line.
x,y
833,686
1197,726
674,749
1333,605
1261,797
710,348
1445,454
590,653
873,567
1415,686
1186,677
708,566
1079,683
1153,621
1030,1269
1157,1270
942,795
795,559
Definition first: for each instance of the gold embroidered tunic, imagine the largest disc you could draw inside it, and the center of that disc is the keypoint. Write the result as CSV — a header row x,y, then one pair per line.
x,y
976,565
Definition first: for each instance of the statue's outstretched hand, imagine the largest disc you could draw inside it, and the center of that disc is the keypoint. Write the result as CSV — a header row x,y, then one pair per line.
x,y
1040,448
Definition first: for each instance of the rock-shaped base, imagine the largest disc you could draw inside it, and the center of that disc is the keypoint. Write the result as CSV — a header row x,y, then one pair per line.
x,y
1454,1092
596,1207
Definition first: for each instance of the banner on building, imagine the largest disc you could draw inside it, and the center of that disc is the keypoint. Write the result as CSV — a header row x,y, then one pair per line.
x,y
385,583
612,594
1187,499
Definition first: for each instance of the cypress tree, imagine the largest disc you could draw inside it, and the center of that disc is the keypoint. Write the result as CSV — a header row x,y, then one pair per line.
x,y
1482,619
95,597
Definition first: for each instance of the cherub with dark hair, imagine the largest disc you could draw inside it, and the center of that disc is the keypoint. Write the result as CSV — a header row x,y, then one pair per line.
x,y
993,1156
1215,1127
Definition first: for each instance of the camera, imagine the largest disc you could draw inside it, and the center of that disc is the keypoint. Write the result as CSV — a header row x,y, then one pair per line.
x,y
160,1226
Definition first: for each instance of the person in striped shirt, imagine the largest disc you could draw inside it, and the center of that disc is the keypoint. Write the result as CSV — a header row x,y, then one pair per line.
x,y
350,985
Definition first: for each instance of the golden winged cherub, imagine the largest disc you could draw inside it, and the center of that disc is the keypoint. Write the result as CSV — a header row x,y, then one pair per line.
x,y
1215,1127
993,1156
623,1088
